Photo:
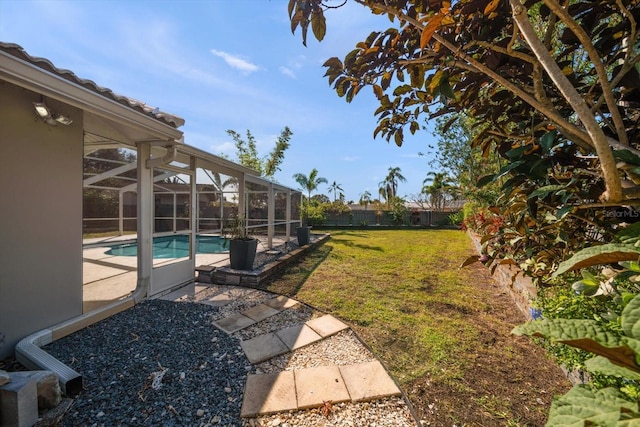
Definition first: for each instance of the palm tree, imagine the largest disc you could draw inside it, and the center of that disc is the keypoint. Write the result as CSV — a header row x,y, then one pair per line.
x,y
335,187
440,187
383,191
365,199
389,186
220,185
311,182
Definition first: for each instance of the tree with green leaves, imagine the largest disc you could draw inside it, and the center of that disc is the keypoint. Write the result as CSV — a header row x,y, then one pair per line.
x,y
383,192
365,199
309,183
389,186
465,164
248,156
573,68
319,199
556,87
439,188
335,188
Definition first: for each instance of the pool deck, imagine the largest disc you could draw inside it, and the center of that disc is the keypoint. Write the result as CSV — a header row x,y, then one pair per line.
x,y
108,278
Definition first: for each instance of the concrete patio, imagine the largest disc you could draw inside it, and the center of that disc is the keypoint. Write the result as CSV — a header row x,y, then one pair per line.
x,y
108,278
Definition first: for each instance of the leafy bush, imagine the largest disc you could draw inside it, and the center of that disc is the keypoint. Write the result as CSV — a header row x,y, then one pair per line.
x,y
456,219
315,214
336,207
398,211
562,302
603,321
481,220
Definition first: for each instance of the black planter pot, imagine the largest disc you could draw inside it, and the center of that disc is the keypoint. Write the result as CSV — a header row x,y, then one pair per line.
x,y
304,235
242,253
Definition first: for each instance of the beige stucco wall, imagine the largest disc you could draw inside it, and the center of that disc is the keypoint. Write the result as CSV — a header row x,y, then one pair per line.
x,y
40,217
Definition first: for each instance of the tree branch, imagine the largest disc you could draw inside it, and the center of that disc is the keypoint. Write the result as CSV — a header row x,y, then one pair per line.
x,y
597,64
573,132
598,138
506,51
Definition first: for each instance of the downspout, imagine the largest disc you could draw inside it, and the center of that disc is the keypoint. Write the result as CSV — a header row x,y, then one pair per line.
x,y
29,352
169,157
30,355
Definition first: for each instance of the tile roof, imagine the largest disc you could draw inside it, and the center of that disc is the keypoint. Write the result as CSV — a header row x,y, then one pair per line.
x,y
18,52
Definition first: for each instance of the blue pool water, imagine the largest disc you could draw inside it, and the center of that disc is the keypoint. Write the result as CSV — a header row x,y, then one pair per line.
x,y
172,247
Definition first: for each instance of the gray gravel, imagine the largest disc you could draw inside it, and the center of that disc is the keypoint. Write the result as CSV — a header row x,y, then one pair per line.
x,y
159,363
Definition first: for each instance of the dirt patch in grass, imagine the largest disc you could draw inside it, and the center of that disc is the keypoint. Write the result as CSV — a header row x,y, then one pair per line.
x,y
443,332
505,380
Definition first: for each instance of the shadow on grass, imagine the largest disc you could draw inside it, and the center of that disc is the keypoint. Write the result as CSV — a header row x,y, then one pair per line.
x,y
293,278
347,242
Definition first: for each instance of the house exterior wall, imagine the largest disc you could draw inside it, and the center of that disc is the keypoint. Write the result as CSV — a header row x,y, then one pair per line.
x,y
40,216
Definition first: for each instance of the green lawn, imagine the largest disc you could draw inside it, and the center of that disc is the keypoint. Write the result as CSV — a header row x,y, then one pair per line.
x,y
401,290
443,331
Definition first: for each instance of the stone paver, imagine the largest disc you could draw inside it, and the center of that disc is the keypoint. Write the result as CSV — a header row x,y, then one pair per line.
x,y
281,302
268,393
298,336
239,292
233,323
367,381
303,388
260,312
263,347
219,300
326,325
314,386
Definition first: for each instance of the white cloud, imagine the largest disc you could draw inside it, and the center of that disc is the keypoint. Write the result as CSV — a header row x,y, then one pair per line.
x,y
287,72
236,62
227,148
350,158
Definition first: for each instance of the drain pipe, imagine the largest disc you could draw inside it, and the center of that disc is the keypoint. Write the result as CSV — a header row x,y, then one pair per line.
x,y
30,355
169,157
29,352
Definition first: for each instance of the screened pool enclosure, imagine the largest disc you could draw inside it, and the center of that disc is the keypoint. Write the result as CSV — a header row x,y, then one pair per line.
x,y
192,199
88,169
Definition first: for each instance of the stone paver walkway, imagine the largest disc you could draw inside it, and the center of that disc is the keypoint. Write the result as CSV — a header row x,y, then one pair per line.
x,y
293,389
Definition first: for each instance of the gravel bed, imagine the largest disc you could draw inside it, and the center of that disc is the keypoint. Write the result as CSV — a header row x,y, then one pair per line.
x,y
343,348
390,412
159,363
245,298
163,363
296,315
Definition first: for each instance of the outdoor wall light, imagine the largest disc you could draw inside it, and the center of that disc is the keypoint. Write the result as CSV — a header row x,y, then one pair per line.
x,y
42,110
48,116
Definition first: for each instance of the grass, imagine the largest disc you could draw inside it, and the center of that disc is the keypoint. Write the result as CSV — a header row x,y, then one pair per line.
x,y
442,330
402,291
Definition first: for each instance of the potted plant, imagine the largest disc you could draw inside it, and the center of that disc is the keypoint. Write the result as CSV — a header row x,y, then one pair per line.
x,y
242,247
304,235
303,232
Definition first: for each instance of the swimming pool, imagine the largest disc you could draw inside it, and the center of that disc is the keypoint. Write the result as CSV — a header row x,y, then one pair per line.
x,y
172,247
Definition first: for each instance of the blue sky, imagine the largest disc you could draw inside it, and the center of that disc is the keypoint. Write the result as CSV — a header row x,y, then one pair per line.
x,y
228,64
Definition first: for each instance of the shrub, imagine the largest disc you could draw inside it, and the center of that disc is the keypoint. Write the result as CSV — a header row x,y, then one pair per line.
x,y
457,219
315,215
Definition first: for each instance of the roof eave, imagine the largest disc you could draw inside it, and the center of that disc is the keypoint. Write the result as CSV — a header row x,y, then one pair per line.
x,y
29,76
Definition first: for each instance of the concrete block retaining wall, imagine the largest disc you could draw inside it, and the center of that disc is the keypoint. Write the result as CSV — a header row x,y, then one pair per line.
x,y
254,278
